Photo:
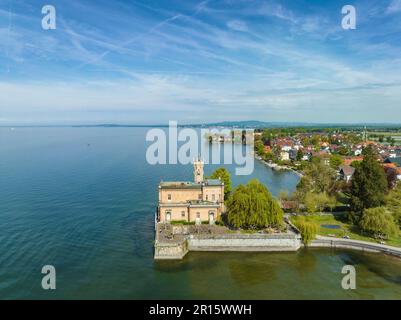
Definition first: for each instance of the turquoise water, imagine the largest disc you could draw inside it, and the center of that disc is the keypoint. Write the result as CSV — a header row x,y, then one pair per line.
x,y
83,200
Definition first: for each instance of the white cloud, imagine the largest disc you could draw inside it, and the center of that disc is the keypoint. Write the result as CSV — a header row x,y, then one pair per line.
x,y
158,98
194,64
394,7
237,25
278,11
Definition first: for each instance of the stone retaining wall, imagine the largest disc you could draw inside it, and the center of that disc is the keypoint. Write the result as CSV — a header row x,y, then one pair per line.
x,y
285,242
262,243
171,250
227,242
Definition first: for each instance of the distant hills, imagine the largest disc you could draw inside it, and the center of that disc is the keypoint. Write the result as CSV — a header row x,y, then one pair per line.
x,y
250,124
254,124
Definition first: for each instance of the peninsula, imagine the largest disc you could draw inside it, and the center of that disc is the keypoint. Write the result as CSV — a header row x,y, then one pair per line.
x,y
326,210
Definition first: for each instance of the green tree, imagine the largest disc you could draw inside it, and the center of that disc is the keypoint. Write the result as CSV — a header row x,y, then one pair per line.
x,y
259,148
223,175
336,161
269,156
318,202
368,186
355,163
344,151
300,155
283,195
315,140
252,206
311,202
307,229
379,222
393,203
267,135
317,178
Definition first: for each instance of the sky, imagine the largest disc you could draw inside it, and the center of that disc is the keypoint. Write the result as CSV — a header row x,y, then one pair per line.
x,y
148,62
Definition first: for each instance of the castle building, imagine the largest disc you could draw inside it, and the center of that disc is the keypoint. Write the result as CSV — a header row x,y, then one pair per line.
x,y
199,201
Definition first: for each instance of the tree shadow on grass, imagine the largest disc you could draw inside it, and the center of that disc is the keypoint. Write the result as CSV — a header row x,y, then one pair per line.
x,y
341,218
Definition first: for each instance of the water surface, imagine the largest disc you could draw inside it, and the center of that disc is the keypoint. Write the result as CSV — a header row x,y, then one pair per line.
x,y
83,200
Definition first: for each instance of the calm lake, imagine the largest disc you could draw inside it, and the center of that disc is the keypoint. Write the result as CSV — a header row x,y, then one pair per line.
x,y
83,200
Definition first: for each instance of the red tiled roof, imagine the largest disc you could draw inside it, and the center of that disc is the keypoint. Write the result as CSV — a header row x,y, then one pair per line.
x,y
389,165
349,160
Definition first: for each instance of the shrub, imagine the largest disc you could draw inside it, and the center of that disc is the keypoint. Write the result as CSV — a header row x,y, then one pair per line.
x,y
175,222
189,223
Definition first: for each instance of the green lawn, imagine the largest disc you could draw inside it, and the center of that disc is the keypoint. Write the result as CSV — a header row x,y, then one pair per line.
x,y
345,229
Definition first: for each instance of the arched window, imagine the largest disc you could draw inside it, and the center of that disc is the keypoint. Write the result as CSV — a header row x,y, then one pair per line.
x,y
211,216
168,215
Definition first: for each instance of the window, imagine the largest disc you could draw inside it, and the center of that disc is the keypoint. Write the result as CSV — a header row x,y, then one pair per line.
x,y
183,214
169,197
213,197
200,196
198,215
207,197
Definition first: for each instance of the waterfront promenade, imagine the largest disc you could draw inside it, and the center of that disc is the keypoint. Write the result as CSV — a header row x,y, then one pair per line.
x,y
184,240
329,242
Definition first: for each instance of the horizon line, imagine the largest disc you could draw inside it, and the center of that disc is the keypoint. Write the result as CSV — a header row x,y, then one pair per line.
x,y
227,123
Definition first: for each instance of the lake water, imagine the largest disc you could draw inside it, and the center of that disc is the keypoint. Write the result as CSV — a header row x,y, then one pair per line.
x,y
83,200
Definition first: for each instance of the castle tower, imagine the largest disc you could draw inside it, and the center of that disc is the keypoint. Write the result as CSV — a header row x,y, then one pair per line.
x,y
198,170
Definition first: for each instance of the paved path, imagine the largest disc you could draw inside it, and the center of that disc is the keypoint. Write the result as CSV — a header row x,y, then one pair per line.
x,y
355,244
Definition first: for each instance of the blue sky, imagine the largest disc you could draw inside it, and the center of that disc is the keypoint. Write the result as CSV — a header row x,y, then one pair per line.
x,y
149,61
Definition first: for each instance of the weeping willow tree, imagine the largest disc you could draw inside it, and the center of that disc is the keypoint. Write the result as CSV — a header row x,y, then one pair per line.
x,y
379,222
308,229
252,206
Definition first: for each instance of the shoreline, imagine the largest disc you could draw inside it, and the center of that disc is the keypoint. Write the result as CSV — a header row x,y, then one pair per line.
x,y
186,241
178,250
277,167
334,243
